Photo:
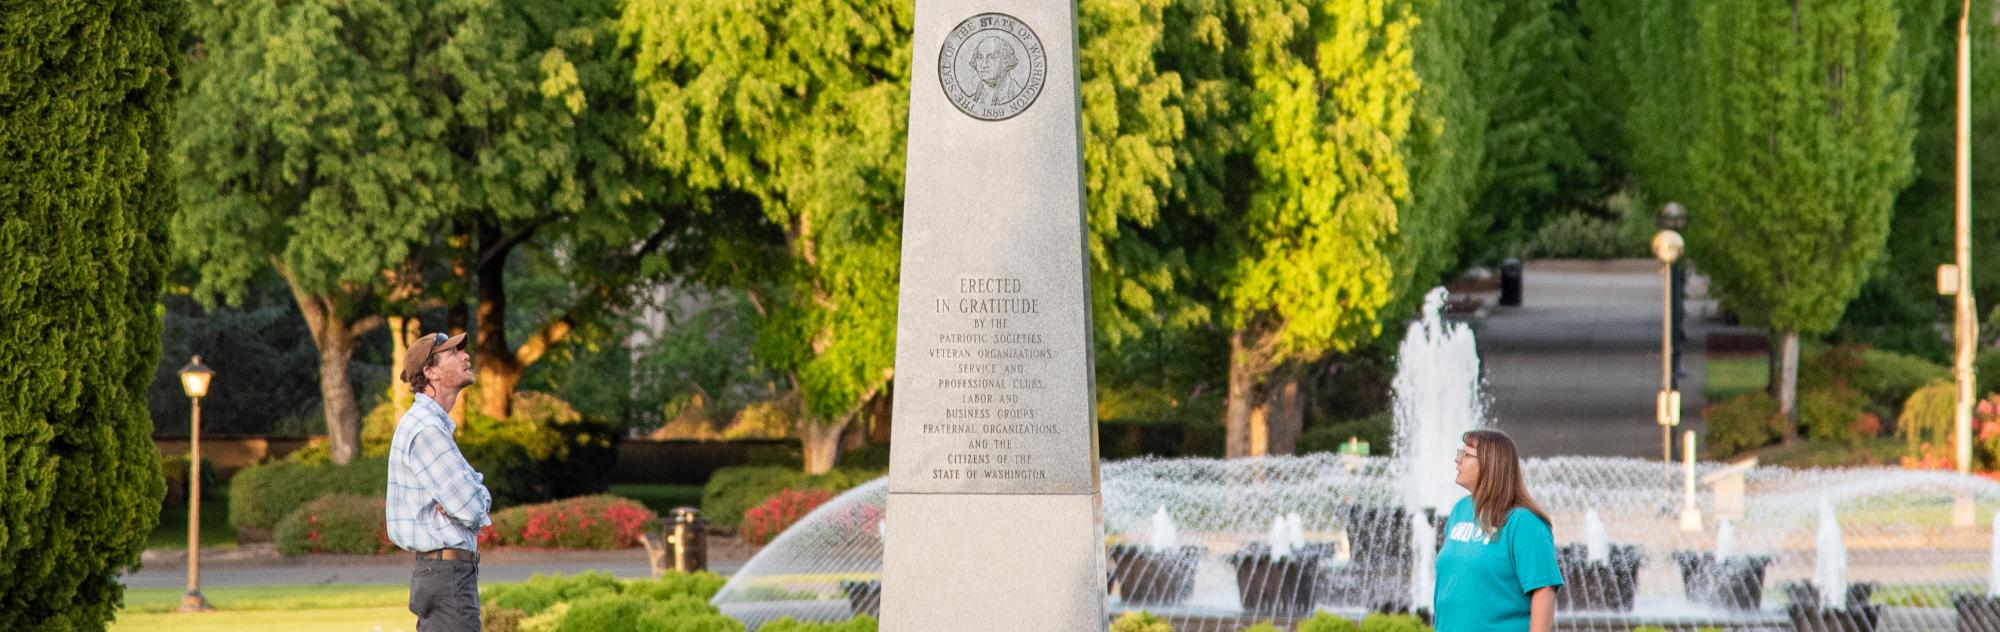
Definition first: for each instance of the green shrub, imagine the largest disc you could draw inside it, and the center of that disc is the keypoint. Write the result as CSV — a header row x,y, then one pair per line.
x,y
1140,622
175,470
1580,235
780,455
340,523
1889,377
262,495
1263,627
1379,622
1376,431
1928,416
703,585
1830,413
861,623
1129,439
1986,369
541,592
1742,423
732,491
589,522
615,612
1323,622
493,619
873,456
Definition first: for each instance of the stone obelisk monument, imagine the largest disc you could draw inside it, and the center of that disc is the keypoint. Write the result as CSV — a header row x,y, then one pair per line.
x,y
994,520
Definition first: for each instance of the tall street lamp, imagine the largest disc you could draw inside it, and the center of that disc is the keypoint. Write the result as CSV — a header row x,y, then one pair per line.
x,y
1667,247
194,379
1674,217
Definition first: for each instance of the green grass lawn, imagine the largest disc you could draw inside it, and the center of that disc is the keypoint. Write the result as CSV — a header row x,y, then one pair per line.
x,y
215,529
661,498
328,608
1729,376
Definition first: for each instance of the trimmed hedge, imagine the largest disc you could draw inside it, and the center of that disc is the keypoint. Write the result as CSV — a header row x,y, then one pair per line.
x,y
1742,423
262,495
732,491
589,522
861,623
340,523
594,601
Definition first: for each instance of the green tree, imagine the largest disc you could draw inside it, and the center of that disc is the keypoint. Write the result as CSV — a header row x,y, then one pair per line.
x,y
802,109
1536,166
805,111
1799,138
377,154
85,194
1365,138
303,146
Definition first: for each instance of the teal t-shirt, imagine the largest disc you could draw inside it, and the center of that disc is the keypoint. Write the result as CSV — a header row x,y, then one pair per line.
x,y
1483,579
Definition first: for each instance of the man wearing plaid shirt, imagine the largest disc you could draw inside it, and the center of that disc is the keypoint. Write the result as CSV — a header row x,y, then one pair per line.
x,y
437,503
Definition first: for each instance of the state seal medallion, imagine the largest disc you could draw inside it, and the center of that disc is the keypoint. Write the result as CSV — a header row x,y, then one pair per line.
x,y
992,66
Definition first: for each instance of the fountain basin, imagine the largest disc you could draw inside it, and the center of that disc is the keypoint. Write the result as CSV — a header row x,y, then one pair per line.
x,y
1276,585
1606,585
1152,576
1977,613
863,597
1735,582
1810,613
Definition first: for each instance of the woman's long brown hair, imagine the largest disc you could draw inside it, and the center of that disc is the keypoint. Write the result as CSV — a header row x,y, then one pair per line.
x,y
1500,487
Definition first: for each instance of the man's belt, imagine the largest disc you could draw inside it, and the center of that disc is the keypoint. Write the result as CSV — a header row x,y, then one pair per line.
x,y
457,555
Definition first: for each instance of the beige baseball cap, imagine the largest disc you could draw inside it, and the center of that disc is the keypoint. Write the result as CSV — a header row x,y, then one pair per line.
x,y
423,348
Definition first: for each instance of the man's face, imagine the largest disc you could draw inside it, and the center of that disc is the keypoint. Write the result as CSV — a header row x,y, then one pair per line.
x,y
452,369
989,62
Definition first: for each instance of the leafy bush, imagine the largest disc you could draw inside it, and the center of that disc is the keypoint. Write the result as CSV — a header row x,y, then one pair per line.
x,y
262,495
1263,627
1129,439
1889,377
1375,431
1830,413
732,491
1140,622
764,522
1379,622
1742,423
1986,370
1323,622
596,601
861,623
340,523
1580,235
175,470
1927,417
589,522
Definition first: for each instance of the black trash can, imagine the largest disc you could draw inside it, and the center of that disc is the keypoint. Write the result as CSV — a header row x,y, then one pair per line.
x,y
1510,283
688,532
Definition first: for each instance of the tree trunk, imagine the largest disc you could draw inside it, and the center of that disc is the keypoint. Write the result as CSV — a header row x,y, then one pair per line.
x,y
1787,378
1286,418
402,330
334,337
1237,416
880,422
498,370
343,417
1260,428
820,443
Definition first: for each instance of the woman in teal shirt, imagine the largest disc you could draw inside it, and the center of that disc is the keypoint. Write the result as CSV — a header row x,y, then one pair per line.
x,y
1497,570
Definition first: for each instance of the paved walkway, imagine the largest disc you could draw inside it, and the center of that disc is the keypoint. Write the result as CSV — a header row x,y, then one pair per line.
x,y
1574,369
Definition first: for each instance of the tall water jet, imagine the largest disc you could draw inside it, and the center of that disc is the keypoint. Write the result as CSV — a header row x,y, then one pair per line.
x,y
1725,539
1423,563
1279,538
1993,578
1163,535
1597,544
1830,567
1438,399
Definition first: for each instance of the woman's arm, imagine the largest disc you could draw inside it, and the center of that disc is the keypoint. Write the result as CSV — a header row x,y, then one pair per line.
x,y
1542,609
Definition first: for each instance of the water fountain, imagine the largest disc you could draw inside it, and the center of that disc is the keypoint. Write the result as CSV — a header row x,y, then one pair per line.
x,y
1829,602
1598,575
1895,522
1977,612
1162,572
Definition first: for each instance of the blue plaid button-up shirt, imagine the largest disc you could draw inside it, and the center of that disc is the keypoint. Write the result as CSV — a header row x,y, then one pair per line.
x,y
436,500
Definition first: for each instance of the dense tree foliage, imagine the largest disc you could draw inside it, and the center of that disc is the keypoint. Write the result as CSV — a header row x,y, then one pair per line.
x,y
84,197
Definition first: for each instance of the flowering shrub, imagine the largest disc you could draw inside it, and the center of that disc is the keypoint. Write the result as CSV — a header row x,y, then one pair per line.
x,y
339,523
765,521
587,522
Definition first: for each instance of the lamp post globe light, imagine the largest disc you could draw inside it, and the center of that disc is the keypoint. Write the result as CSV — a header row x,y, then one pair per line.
x,y
195,378
1667,247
